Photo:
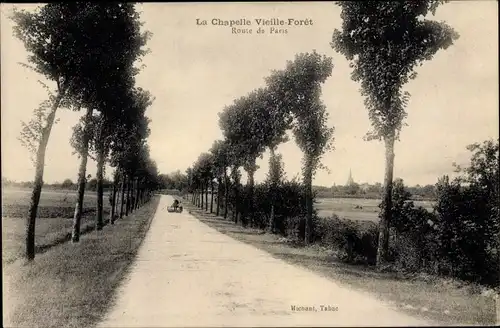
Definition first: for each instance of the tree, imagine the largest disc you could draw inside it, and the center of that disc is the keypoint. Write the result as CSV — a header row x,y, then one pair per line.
x,y
127,139
204,167
467,218
235,176
274,179
482,178
189,180
269,123
220,155
105,88
384,42
299,89
241,126
400,205
80,141
275,121
314,138
175,180
124,110
352,189
96,135
67,183
55,53
60,38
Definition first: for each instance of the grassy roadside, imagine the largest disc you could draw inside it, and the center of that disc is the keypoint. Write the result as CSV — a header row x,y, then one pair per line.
x,y
438,299
49,232
73,285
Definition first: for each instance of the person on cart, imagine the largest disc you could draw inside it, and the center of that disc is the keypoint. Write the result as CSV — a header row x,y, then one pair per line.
x,y
175,205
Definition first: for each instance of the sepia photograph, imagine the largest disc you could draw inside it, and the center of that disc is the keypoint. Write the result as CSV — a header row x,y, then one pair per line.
x,y
250,164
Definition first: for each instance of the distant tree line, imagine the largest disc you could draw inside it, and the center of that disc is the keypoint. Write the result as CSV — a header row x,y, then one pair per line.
x,y
173,181
179,181
67,184
372,191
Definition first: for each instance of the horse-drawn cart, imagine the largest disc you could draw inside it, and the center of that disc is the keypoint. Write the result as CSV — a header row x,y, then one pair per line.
x,y
172,209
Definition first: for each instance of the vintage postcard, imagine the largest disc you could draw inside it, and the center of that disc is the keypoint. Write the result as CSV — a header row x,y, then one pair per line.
x,y
250,164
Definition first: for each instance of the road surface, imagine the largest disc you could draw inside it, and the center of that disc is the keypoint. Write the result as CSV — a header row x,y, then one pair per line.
x,y
188,274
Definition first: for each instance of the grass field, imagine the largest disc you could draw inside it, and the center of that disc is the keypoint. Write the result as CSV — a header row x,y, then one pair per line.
x,y
72,285
355,208
54,219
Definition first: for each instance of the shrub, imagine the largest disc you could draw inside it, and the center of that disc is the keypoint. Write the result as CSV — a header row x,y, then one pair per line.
x,y
357,240
467,232
461,237
288,205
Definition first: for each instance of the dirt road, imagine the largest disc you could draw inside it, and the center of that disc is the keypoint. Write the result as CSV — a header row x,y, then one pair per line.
x,y
188,274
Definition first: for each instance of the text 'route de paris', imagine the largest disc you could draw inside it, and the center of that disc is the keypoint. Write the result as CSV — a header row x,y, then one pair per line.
x,y
257,25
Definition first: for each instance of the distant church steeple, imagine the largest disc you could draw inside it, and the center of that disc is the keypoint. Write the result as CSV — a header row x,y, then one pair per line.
x,y
350,180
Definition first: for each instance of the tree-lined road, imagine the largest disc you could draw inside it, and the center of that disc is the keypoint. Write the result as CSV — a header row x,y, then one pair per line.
x,y
188,274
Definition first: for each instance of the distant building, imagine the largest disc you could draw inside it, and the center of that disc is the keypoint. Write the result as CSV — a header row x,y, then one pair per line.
x,y
350,180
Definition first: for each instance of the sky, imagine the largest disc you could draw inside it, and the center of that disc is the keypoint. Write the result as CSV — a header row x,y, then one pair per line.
x,y
194,71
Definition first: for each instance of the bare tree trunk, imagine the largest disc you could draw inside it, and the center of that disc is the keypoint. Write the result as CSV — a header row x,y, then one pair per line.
x,y
226,198
82,179
212,197
127,203
139,189
236,194
202,194
271,218
137,195
100,177
206,197
141,193
113,199
309,205
132,185
119,194
122,200
273,194
386,213
134,195
38,183
218,195
131,194
251,186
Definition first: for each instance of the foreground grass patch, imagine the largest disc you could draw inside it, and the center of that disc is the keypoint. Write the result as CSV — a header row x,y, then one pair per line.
x,y
49,232
435,298
72,285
